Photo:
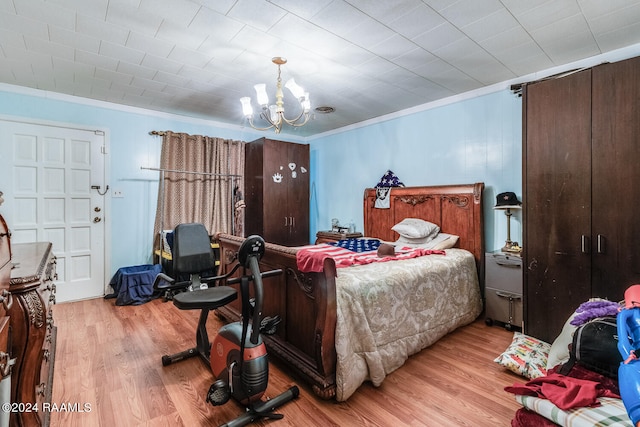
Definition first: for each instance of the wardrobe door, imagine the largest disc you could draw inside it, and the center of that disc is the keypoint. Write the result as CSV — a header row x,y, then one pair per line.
x,y
277,181
616,178
556,201
298,194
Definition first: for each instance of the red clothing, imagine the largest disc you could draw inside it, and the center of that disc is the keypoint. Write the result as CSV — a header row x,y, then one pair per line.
x,y
564,392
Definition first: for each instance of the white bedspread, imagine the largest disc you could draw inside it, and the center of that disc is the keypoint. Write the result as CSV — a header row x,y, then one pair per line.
x,y
391,310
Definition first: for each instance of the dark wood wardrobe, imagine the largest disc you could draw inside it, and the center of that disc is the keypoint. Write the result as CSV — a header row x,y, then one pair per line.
x,y
581,186
277,191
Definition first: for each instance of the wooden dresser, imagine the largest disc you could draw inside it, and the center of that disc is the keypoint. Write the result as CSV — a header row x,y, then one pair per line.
x,y
6,301
33,331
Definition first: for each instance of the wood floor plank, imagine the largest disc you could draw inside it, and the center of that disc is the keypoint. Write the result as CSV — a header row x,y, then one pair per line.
x,y
109,357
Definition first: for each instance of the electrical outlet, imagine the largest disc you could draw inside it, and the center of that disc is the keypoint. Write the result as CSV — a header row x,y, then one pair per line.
x,y
117,193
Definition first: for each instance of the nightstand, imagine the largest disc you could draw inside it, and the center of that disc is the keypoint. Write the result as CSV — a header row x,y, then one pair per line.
x,y
334,236
503,289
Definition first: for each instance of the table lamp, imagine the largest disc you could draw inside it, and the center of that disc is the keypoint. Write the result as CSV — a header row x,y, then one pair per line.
x,y
507,201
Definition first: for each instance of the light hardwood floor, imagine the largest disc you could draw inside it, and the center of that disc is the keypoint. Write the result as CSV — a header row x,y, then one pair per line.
x,y
108,358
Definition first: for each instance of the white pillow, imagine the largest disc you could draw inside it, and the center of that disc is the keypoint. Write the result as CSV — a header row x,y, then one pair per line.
x,y
441,241
415,228
559,352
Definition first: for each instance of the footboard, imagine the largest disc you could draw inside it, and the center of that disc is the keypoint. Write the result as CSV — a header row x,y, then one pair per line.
x,y
306,303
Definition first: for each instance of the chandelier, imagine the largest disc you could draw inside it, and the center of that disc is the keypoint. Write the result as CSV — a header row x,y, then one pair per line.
x,y
274,114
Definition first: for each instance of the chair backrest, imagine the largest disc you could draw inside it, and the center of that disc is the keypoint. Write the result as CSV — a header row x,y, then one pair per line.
x,y
192,252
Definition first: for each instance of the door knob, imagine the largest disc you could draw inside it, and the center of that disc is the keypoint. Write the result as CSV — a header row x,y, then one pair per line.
x,y
97,219
97,209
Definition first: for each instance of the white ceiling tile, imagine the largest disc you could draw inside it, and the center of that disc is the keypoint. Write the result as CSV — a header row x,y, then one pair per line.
x,y
394,46
99,61
95,8
220,6
490,25
181,36
149,44
437,37
129,16
113,76
617,38
161,64
74,40
303,9
23,25
339,17
190,57
210,23
368,33
148,84
46,47
607,22
463,13
416,21
385,11
180,12
100,29
547,13
414,58
135,70
120,52
11,38
256,13
39,10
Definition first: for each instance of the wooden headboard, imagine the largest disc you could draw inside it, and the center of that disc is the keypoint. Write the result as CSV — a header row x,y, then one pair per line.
x,y
457,209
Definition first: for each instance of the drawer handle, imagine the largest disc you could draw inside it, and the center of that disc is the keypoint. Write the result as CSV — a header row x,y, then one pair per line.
x,y
505,295
508,265
6,363
41,389
6,298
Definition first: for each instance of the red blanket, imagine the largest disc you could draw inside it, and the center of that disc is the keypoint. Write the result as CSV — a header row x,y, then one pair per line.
x,y
563,391
311,258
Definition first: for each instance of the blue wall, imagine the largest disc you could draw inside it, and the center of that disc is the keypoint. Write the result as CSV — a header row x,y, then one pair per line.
x,y
477,140
472,140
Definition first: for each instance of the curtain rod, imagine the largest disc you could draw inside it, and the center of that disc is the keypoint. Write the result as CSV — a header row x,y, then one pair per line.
x,y
193,172
158,132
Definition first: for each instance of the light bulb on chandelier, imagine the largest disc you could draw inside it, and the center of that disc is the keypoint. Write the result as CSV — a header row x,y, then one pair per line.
x,y
274,114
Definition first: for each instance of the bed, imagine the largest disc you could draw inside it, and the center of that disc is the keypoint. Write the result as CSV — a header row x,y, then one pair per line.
x,y
321,320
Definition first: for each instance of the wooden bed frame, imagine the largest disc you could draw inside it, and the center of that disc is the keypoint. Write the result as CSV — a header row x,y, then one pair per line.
x,y
306,302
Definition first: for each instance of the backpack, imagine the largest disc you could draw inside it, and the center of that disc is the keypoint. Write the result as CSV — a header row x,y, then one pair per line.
x,y
595,346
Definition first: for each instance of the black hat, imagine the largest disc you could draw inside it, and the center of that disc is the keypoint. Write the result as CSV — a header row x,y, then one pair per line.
x,y
507,200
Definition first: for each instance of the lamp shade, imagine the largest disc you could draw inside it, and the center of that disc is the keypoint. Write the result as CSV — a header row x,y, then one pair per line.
x,y
247,110
261,94
294,88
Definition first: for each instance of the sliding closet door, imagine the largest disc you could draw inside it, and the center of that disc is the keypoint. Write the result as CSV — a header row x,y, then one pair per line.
x,y
616,178
556,201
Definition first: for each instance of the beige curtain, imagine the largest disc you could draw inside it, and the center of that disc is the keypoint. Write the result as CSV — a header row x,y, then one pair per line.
x,y
201,181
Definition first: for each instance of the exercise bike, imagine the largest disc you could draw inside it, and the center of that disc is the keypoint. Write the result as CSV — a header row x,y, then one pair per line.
x,y
238,355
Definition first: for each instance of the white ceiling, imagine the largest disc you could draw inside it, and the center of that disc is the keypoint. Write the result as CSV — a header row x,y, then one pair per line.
x,y
365,58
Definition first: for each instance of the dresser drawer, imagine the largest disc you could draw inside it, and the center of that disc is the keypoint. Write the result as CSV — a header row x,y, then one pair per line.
x,y
503,272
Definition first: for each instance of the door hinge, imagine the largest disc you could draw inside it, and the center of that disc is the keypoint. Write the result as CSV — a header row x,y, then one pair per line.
x,y
103,149
99,132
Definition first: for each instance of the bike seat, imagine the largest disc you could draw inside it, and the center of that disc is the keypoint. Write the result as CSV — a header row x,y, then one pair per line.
x,y
206,299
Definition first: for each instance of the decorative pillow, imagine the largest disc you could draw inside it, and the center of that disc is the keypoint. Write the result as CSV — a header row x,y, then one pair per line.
x,y
526,356
415,228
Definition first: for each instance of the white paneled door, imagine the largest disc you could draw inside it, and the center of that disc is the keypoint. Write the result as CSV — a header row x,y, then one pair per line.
x,y
52,178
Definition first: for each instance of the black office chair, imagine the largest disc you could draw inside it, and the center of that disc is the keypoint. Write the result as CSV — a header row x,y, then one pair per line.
x,y
193,257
